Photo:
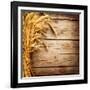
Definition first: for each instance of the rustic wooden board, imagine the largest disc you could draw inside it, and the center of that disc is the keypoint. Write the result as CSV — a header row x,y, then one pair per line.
x,y
55,71
64,29
54,59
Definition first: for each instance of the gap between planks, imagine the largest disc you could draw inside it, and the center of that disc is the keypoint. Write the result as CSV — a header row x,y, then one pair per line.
x,y
64,19
61,39
55,67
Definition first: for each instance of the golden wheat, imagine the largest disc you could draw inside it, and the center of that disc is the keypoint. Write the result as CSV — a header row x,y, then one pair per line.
x,y
33,31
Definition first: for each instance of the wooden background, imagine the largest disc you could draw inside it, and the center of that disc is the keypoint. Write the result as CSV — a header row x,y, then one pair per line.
x,y
62,56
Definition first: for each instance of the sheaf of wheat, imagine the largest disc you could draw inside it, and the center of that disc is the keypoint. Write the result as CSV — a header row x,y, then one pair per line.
x,y
33,30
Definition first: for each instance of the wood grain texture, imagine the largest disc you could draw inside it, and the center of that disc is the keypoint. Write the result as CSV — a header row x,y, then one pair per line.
x,y
55,59
55,71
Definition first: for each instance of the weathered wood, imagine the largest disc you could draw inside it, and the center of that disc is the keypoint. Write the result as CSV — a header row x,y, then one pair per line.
x,y
54,59
59,46
64,29
55,71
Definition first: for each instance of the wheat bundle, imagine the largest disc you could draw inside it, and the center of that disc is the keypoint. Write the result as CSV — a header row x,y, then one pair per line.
x,y
32,37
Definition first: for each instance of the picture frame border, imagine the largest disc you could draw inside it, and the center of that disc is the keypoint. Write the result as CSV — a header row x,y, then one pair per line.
x,y
14,44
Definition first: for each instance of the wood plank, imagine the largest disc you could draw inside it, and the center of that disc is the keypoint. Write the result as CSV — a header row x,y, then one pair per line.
x,y
64,16
55,71
64,29
54,59
59,46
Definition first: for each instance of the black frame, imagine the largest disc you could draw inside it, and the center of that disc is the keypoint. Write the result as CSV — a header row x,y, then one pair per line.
x,y
14,44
